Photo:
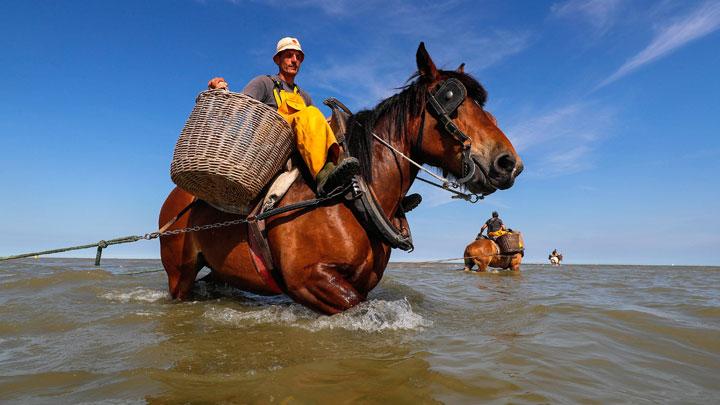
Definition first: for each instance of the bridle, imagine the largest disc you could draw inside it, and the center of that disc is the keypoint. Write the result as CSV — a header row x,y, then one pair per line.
x,y
442,103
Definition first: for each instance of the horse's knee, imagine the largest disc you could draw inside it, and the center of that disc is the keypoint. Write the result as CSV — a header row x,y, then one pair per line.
x,y
323,289
181,277
179,286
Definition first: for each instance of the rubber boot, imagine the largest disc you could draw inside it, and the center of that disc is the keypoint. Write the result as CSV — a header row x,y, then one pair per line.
x,y
410,202
332,176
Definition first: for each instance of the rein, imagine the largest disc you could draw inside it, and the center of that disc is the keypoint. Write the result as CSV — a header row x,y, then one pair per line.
x,y
446,183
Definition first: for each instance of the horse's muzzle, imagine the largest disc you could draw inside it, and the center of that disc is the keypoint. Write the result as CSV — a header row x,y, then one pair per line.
x,y
504,170
500,175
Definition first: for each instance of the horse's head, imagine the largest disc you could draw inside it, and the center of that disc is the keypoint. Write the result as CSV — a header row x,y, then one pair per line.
x,y
458,135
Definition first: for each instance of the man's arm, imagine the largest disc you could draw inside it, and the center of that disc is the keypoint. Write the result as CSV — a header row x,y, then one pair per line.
x,y
483,228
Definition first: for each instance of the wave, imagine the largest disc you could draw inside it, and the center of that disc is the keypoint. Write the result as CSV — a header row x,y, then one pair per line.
x,y
369,316
138,294
47,279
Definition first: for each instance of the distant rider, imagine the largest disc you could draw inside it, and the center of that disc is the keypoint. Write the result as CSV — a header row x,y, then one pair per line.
x,y
315,140
495,227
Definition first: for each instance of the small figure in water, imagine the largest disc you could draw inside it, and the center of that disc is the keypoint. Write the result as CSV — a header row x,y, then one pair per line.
x,y
555,258
495,227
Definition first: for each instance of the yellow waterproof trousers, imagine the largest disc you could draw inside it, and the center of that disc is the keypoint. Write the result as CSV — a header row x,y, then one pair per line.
x,y
314,137
497,234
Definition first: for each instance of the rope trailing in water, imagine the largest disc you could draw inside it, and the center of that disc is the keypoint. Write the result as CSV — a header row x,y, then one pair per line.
x,y
141,272
100,245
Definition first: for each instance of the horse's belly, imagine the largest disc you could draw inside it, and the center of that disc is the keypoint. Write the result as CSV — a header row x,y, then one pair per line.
x,y
235,267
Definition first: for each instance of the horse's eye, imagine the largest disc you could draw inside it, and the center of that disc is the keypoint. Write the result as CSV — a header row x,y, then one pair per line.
x,y
449,95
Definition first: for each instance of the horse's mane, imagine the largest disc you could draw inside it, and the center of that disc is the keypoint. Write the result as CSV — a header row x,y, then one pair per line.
x,y
397,110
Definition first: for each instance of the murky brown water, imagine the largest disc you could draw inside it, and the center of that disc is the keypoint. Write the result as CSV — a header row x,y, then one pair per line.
x,y
71,333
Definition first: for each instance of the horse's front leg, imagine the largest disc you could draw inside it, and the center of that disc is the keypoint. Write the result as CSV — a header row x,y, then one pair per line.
x,y
322,288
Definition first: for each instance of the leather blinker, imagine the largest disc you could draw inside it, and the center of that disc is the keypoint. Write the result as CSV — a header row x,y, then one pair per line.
x,y
450,95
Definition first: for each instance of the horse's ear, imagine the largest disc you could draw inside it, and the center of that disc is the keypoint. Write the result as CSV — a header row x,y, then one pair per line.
x,y
461,68
425,65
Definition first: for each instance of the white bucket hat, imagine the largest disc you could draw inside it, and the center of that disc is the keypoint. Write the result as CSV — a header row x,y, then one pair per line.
x,y
288,43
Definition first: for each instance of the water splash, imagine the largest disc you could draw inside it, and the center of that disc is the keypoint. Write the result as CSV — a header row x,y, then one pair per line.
x,y
370,316
138,294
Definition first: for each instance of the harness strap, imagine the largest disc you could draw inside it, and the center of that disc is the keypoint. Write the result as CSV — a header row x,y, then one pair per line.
x,y
453,93
182,212
367,207
260,253
278,87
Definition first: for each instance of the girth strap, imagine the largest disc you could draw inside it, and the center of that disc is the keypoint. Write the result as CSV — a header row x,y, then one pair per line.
x,y
260,252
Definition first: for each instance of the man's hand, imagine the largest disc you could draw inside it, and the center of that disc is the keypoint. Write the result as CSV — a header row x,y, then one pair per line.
x,y
217,83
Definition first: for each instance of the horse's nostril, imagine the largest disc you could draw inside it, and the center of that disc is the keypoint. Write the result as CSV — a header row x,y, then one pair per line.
x,y
505,163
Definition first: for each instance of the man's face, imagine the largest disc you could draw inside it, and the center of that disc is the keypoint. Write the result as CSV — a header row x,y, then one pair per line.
x,y
289,61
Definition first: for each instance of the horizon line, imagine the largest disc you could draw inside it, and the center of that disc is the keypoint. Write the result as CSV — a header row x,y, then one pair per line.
x,y
408,262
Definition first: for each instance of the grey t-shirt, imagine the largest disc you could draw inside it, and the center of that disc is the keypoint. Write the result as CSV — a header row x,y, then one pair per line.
x,y
261,89
494,224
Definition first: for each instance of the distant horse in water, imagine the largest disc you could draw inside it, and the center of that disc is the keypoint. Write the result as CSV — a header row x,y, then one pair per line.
x,y
555,260
485,253
324,258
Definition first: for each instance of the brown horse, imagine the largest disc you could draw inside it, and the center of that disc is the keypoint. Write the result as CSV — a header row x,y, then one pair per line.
x,y
486,253
324,258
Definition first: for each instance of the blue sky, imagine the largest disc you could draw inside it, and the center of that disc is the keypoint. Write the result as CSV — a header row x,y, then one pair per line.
x,y
612,104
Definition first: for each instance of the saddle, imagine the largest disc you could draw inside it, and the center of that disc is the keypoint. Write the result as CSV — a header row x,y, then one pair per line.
x,y
394,231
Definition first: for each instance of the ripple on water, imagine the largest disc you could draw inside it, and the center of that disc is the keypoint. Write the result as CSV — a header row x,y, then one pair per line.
x,y
370,316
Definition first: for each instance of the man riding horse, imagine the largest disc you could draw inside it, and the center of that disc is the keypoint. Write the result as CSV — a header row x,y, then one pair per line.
x,y
325,257
314,138
495,227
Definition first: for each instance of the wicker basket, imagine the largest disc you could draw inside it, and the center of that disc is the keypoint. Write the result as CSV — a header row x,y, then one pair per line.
x,y
511,243
230,148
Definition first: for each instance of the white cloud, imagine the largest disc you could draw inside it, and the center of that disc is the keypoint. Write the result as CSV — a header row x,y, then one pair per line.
x,y
481,51
564,161
561,141
700,22
348,8
391,31
365,77
600,14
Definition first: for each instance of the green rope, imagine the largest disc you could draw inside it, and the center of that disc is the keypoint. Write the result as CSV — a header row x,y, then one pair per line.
x,y
101,244
141,272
